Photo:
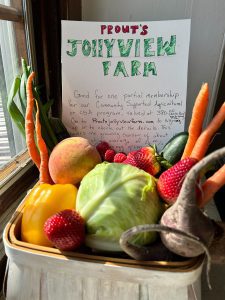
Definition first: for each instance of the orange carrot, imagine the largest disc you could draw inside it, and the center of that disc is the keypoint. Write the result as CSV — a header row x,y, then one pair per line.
x,y
211,186
202,144
197,118
29,124
44,171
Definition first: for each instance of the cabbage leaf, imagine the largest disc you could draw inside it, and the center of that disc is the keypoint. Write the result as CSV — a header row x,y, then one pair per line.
x,y
114,197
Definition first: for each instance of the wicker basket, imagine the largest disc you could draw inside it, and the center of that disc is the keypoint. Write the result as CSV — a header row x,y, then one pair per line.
x,y
36,272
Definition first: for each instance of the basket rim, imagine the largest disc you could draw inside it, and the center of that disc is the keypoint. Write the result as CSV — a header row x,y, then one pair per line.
x,y
10,239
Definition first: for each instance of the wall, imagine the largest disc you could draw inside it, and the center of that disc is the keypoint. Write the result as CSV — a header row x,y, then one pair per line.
x,y
207,34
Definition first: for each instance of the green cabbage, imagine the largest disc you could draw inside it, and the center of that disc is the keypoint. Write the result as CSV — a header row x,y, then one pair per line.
x,y
114,197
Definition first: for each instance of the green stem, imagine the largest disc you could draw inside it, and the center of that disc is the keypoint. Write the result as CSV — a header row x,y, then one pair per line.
x,y
50,135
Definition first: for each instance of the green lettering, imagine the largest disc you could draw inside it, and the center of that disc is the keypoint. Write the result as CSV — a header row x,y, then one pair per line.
x,y
86,48
106,65
73,43
168,48
100,46
125,50
137,48
109,45
120,68
147,47
135,64
149,67
94,52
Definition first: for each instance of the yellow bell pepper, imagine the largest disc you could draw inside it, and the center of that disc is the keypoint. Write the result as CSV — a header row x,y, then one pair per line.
x,y
43,201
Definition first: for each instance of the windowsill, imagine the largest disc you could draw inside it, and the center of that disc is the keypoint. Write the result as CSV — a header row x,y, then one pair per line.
x,y
15,180
13,168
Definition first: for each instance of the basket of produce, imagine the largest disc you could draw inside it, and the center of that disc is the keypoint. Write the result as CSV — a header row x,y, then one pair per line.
x,y
106,225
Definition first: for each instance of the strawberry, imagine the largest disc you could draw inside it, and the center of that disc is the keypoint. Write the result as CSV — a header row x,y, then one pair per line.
x,y
102,147
109,155
131,154
66,229
119,157
170,181
144,159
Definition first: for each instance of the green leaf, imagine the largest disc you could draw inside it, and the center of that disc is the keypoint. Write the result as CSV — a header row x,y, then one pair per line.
x,y
23,94
45,120
22,90
163,162
47,106
26,69
18,116
114,197
59,128
13,109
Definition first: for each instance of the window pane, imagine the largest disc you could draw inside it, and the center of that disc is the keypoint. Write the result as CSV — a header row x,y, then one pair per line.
x,y
5,2
11,141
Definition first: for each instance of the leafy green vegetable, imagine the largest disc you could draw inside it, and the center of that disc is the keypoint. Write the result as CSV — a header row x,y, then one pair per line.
x,y
13,109
23,94
113,198
50,130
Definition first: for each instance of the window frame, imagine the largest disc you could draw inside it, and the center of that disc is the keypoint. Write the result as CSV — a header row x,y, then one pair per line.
x,y
9,13
12,174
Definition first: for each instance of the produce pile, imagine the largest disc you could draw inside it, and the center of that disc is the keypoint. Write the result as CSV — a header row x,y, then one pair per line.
x,y
89,195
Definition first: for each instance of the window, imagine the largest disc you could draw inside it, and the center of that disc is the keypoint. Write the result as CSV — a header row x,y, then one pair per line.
x,y
14,159
12,47
17,172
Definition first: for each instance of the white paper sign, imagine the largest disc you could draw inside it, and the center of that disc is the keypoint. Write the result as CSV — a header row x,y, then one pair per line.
x,y
125,83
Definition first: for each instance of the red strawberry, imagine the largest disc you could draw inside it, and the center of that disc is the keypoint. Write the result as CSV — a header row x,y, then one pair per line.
x,y
109,155
170,181
66,229
102,147
119,157
131,154
131,159
144,159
